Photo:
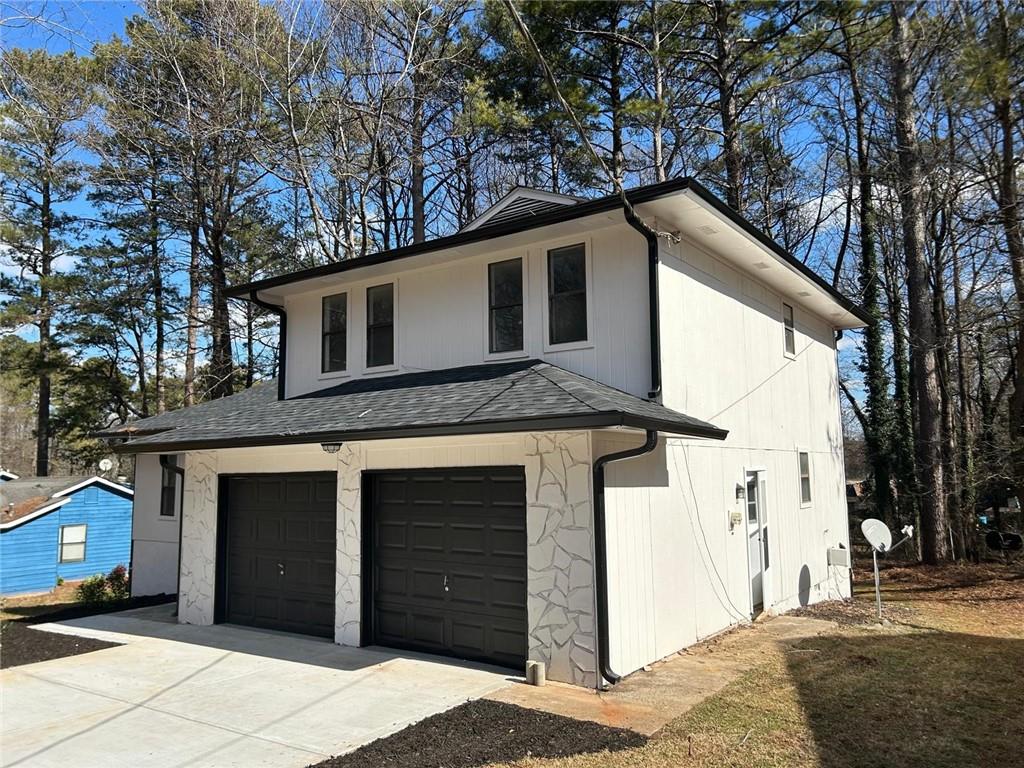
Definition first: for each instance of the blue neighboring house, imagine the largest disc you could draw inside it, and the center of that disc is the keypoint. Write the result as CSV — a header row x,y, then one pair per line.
x,y
61,528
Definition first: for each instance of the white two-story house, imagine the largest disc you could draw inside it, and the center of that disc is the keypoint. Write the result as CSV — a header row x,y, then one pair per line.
x,y
552,436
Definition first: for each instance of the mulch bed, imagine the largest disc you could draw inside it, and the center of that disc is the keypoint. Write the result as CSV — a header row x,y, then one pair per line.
x,y
482,732
20,644
80,611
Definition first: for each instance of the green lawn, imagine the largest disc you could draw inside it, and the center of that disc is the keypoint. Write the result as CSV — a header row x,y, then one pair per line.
x,y
942,687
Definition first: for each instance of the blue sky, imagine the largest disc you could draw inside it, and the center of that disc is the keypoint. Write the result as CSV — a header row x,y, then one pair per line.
x,y
64,25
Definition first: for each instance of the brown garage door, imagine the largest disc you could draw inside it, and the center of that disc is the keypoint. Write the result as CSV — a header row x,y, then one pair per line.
x,y
449,562
279,552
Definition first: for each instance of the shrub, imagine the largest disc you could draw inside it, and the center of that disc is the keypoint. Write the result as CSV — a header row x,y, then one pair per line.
x,y
93,590
117,583
60,581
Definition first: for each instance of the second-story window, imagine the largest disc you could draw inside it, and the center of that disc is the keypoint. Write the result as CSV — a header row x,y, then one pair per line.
x,y
567,294
334,353
505,305
380,325
788,330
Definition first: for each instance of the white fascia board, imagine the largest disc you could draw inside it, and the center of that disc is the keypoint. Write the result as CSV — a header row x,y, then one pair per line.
x,y
95,480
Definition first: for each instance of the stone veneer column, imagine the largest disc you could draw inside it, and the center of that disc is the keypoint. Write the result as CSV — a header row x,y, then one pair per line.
x,y
347,605
560,556
198,539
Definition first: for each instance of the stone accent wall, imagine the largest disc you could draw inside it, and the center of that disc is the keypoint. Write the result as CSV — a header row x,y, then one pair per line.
x,y
347,613
560,557
198,539
559,527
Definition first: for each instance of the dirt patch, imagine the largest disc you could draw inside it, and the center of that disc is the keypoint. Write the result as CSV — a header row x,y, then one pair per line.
x,y
482,732
860,611
20,644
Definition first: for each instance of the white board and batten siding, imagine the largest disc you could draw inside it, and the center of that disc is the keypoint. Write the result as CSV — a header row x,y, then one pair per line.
x,y
678,573
441,316
154,536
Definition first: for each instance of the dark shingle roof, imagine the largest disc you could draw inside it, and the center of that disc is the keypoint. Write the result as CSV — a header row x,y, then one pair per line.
x,y
501,397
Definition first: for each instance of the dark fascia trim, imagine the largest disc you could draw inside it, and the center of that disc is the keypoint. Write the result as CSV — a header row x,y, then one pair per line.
x,y
549,424
557,216
282,338
598,205
723,209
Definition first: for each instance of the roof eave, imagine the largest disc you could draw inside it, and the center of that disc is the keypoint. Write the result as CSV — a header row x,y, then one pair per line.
x,y
537,424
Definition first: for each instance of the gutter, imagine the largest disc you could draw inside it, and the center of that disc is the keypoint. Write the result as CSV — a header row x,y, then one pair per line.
x,y
653,299
282,338
601,551
538,424
180,472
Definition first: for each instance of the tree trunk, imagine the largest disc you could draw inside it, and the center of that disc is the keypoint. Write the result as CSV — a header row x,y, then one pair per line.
x,y
1010,217
878,436
417,192
658,75
159,310
923,337
221,358
45,313
192,331
732,153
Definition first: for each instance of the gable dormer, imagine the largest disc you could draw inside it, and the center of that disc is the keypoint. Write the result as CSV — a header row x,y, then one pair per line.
x,y
520,203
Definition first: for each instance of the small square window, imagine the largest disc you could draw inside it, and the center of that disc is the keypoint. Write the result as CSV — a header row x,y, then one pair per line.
x,y
788,329
505,305
334,327
72,543
567,294
380,325
805,478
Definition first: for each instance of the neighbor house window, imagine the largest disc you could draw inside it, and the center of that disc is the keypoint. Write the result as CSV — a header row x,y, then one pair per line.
x,y
380,325
168,487
334,327
805,478
567,294
72,543
788,329
505,305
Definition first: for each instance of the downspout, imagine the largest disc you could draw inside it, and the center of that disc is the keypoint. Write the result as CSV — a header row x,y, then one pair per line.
x,y
653,301
601,551
180,472
282,338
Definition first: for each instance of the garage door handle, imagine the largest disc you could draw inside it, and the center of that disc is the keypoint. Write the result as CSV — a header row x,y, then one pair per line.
x,y
446,582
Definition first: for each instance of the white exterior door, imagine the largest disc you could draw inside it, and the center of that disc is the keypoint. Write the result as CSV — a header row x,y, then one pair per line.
x,y
757,539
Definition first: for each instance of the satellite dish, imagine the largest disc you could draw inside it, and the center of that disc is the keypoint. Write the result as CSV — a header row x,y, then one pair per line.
x,y
106,465
877,533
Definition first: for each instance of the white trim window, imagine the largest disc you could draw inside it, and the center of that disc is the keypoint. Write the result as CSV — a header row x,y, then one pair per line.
x,y
505,301
788,331
567,295
380,326
72,543
334,333
804,464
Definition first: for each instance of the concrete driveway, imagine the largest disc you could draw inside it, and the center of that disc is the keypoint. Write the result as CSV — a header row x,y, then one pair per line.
x,y
177,695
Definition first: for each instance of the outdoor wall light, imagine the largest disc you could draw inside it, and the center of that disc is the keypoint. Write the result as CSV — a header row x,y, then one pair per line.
x,y
741,492
331,447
